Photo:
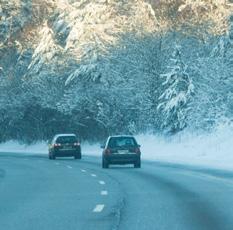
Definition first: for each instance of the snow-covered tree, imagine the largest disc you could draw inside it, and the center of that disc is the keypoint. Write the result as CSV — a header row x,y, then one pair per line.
x,y
96,66
221,64
224,46
174,100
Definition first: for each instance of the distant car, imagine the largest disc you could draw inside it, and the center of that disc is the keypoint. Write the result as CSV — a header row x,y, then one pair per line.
x,y
121,150
65,145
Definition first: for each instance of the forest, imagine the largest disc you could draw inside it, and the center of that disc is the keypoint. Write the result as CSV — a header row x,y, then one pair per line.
x,y
103,67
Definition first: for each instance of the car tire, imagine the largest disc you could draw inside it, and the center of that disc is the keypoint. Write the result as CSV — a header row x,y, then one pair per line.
x,y
137,164
53,157
105,164
50,158
79,156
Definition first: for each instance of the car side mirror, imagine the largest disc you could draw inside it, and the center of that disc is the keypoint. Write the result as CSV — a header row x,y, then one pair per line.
x,y
102,146
139,146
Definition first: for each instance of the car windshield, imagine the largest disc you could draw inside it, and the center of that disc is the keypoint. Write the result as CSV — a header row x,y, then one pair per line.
x,y
118,142
66,139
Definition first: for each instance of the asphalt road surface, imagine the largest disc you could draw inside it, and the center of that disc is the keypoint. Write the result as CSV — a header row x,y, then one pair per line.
x,y
67,194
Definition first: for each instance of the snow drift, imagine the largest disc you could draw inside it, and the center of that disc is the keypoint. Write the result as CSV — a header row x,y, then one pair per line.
x,y
207,150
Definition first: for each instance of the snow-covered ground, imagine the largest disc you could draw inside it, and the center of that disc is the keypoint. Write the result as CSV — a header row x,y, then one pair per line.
x,y
213,150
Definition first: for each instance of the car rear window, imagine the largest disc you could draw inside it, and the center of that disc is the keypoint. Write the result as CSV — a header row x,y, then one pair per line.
x,y
117,142
66,139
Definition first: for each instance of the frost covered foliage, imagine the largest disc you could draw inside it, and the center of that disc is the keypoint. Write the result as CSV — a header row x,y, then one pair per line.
x,y
196,17
209,105
214,81
178,89
108,67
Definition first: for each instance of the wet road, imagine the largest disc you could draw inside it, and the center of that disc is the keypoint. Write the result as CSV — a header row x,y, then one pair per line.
x,y
67,194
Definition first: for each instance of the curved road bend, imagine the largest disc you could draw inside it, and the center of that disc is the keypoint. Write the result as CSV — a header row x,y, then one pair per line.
x,y
66,194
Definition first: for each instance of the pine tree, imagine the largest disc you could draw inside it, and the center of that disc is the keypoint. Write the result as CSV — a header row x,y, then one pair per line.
x,y
178,88
222,57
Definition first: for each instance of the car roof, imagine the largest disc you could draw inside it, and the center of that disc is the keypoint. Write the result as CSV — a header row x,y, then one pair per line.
x,y
121,136
64,135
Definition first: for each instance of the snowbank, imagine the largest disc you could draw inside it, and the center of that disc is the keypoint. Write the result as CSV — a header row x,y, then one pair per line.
x,y
213,150
42,148
16,147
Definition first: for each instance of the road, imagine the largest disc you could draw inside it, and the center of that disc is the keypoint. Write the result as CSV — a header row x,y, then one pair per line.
x,y
67,194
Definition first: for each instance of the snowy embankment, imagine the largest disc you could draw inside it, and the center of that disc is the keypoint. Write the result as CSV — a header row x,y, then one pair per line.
x,y
213,150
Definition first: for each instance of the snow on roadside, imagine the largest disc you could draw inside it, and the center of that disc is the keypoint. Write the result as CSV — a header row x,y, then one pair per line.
x,y
16,147
42,148
213,150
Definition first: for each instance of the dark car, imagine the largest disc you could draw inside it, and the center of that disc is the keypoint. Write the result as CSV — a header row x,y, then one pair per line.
x,y
121,150
65,145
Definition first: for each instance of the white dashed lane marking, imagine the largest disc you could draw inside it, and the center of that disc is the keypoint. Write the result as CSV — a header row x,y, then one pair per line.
x,y
69,167
98,208
93,175
104,193
101,182
83,170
